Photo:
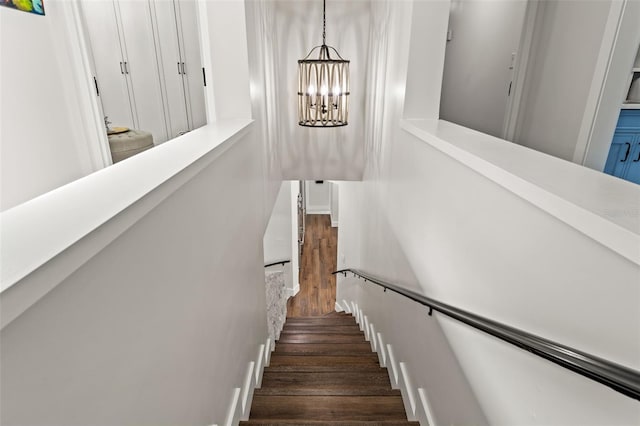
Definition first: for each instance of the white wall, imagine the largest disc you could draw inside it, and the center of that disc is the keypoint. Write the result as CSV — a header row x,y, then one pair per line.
x,y
43,138
281,236
560,74
318,197
159,326
335,203
476,69
287,31
488,232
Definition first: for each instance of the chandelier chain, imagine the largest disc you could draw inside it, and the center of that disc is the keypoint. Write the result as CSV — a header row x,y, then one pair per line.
x,y
324,22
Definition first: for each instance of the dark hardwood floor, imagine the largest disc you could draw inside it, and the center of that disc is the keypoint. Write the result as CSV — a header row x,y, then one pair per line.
x,y
317,294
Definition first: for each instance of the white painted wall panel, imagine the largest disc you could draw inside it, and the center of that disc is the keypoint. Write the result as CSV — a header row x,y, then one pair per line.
x,y
159,326
477,74
566,45
42,146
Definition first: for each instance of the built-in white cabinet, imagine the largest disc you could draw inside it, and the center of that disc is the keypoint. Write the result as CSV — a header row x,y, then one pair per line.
x,y
146,56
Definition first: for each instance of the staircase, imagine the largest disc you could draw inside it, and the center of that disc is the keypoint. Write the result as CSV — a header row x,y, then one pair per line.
x,y
323,372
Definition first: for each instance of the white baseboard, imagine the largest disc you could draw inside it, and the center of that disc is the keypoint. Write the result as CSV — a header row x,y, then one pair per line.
x,y
415,401
334,223
313,210
293,291
240,404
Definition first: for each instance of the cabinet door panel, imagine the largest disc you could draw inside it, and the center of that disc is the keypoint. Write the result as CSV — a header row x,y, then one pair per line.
x,y
100,25
143,67
632,172
190,47
619,153
171,69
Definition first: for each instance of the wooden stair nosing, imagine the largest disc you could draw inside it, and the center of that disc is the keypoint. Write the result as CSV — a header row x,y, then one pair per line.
x,y
328,423
321,338
320,348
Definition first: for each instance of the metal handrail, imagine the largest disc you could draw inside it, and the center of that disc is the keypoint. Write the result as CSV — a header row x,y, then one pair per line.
x,y
618,377
280,262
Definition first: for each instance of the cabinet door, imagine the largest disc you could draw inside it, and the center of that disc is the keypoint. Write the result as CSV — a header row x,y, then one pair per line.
x,y
632,172
619,153
186,11
100,25
142,67
172,66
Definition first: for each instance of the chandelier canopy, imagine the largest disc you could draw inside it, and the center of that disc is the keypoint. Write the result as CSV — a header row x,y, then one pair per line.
x,y
323,86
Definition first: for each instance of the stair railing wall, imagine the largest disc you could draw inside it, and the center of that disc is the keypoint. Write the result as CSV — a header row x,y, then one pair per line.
x,y
618,377
163,304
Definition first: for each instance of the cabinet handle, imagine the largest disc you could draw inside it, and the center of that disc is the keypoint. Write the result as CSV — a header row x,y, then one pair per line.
x,y
183,68
637,159
179,68
126,67
121,68
627,154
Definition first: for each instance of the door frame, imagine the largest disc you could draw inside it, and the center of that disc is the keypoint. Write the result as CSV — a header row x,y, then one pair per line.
x,y
525,48
609,85
91,119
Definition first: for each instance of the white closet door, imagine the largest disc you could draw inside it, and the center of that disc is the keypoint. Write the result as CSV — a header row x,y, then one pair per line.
x,y
100,24
171,69
142,67
190,47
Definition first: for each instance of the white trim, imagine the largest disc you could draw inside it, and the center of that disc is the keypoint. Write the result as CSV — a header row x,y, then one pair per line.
x,y
514,101
427,411
382,353
259,366
338,307
600,75
610,84
373,341
393,371
91,119
234,411
406,389
334,223
292,291
267,351
347,309
366,328
317,210
247,391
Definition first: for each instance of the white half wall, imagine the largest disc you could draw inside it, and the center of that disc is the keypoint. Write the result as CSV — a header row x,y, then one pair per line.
x,y
159,325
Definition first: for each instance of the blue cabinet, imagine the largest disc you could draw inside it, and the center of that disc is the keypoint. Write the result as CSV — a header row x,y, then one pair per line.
x,y
624,155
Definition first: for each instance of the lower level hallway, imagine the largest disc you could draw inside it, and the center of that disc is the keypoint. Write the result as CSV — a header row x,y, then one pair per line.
x,y
317,294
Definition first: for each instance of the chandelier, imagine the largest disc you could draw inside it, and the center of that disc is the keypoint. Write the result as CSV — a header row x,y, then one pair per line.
x,y
323,86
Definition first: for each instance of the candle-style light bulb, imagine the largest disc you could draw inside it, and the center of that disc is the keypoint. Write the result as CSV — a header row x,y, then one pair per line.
x,y
336,90
311,91
324,90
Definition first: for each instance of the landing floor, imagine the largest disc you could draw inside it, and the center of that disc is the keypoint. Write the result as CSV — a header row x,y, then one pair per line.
x,y
317,294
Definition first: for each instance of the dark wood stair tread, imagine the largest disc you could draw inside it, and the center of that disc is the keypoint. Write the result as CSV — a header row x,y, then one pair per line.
x,y
330,329
324,348
329,423
278,359
329,408
323,371
321,338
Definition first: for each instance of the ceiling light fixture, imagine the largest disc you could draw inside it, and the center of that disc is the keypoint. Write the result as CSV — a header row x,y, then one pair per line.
x,y
323,86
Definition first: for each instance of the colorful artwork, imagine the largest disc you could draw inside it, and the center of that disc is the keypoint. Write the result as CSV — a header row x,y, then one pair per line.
x,y
33,6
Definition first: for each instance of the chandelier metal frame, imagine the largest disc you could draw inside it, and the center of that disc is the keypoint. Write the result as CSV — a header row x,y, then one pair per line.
x,y
323,86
